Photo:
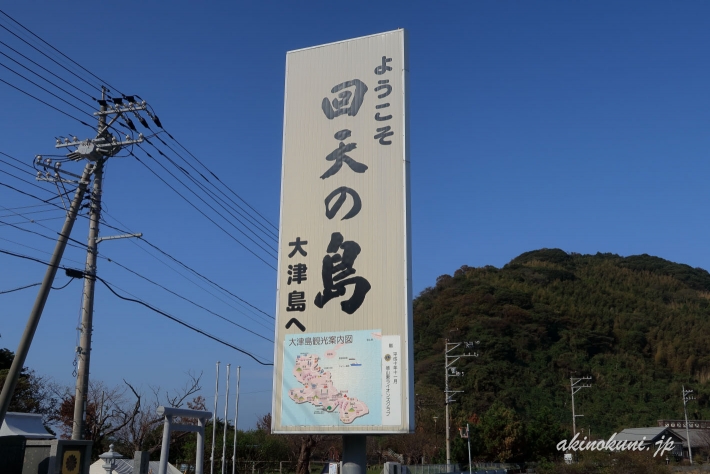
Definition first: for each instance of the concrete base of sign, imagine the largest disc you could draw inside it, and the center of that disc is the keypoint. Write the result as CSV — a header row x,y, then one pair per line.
x,y
354,454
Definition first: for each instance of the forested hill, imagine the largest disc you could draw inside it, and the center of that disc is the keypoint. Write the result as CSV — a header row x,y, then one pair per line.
x,y
640,326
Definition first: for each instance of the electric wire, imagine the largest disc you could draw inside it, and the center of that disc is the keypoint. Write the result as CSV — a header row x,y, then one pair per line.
x,y
147,305
58,51
46,70
80,121
17,159
205,202
179,321
47,104
36,284
144,150
201,212
40,51
47,91
253,221
83,246
190,301
103,81
45,79
236,298
220,181
31,184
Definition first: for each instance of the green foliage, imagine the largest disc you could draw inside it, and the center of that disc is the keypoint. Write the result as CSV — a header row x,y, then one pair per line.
x,y
502,433
33,393
640,326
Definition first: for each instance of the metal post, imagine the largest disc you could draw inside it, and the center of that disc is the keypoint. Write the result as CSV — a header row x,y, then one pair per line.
x,y
214,419
23,347
87,315
224,436
200,456
236,418
468,435
354,454
165,448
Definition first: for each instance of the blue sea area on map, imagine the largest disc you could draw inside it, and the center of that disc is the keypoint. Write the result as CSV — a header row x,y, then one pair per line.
x,y
354,360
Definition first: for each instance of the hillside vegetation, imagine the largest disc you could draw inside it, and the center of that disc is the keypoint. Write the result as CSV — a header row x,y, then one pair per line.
x,y
640,326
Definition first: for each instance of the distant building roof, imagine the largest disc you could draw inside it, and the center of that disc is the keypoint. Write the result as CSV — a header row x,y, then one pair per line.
x,y
638,434
698,438
28,425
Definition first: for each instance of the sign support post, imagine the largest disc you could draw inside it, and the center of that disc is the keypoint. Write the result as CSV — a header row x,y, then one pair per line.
x,y
354,454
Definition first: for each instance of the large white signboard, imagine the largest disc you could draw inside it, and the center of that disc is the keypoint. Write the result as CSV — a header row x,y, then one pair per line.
x,y
344,317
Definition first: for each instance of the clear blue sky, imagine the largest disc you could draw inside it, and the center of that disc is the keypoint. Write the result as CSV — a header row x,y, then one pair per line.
x,y
578,125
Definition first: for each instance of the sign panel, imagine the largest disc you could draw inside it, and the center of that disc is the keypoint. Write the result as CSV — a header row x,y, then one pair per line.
x,y
343,348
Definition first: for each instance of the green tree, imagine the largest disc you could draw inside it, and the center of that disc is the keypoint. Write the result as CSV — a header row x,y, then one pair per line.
x,y
542,433
502,433
33,393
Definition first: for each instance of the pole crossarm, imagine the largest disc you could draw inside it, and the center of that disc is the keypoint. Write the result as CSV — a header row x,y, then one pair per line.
x,y
122,236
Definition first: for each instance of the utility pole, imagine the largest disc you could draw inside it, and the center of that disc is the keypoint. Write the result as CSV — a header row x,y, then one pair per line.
x,y
451,371
686,399
23,347
576,388
98,150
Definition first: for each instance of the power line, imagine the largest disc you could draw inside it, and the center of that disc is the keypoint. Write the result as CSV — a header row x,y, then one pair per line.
x,y
16,159
20,288
235,297
31,184
198,210
45,69
253,221
147,305
179,321
40,51
36,284
55,49
190,301
200,198
45,79
47,104
48,92
83,247
220,181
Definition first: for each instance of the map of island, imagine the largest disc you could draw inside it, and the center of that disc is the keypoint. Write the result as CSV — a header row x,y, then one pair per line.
x,y
318,390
